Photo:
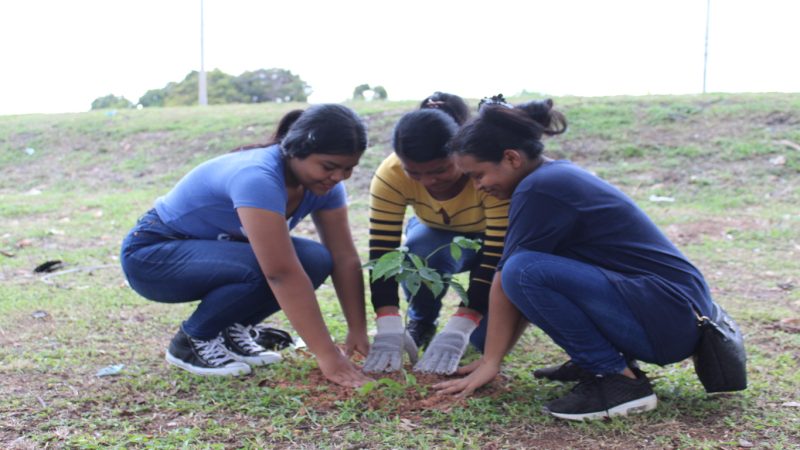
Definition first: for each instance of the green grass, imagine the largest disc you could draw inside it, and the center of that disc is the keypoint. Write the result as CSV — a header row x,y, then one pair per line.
x,y
91,175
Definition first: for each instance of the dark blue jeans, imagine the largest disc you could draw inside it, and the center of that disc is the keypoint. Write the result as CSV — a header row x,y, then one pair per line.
x,y
422,240
575,304
163,266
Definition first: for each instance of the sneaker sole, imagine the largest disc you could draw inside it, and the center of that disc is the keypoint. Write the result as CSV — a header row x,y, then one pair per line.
x,y
637,406
262,359
233,369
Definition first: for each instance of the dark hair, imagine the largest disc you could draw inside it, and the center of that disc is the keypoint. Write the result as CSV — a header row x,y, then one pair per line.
x,y
280,132
452,104
422,135
329,128
499,127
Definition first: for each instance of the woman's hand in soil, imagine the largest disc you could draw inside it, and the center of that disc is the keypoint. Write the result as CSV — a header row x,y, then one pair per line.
x,y
482,374
469,368
338,369
356,343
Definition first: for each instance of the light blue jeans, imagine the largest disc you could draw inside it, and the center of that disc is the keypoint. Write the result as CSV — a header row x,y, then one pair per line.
x,y
422,240
163,266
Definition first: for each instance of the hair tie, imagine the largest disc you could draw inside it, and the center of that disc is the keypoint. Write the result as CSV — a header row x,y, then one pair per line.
x,y
498,100
435,104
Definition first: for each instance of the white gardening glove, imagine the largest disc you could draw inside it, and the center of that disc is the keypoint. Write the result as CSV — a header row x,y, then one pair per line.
x,y
444,353
386,352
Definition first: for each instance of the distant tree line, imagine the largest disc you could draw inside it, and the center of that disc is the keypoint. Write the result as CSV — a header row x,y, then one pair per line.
x,y
365,92
263,85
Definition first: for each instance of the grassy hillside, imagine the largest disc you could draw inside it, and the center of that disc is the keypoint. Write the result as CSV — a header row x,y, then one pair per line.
x,y
719,173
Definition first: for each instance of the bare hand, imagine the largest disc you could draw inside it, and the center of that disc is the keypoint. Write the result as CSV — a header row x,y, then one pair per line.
x,y
356,342
469,368
463,387
338,369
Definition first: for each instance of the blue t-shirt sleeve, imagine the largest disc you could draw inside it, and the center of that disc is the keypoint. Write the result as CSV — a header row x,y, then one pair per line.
x,y
254,187
336,198
536,222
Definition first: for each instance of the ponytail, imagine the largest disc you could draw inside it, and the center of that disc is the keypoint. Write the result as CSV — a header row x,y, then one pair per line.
x,y
541,111
280,132
451,104
500,126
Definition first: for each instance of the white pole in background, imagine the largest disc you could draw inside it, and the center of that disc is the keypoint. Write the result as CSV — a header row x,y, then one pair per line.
x,y
705,54
201,80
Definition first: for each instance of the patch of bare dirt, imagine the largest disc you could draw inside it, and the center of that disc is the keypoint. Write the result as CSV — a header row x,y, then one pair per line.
x,y
717,228
404,399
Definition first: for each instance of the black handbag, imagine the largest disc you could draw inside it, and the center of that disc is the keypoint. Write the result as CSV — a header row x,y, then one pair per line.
x,y
720,360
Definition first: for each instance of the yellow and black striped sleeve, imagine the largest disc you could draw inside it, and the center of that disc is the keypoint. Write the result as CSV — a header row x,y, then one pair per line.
x,y
480,277
387,206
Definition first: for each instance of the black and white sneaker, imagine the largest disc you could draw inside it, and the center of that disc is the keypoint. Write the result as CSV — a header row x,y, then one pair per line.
x,y
569,371
605,396
203,357
240,344
271,338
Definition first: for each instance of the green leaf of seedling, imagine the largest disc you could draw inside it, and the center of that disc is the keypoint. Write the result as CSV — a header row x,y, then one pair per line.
x,y
462,293
436,287
416,260
386,263
455,252
430,274
394,272
413,283
405,274
467,243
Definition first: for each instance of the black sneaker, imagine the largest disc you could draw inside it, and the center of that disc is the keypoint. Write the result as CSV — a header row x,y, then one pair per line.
x,y
239,342
605,396
271,338
421,332
569,371
203,357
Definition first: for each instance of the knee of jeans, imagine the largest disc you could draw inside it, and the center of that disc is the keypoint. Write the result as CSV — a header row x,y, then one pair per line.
x,y
521,268
510,276
419,247
320,267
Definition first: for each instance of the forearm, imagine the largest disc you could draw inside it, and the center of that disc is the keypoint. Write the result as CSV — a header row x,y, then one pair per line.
x,y
503,329
522,324
295,295
349,284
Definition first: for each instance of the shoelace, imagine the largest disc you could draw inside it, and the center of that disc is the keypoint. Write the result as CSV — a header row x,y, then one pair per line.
x,y
213,351
242,336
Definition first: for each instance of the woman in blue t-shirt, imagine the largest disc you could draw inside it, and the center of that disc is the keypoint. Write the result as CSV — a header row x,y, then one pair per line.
x,y
582,262
222,235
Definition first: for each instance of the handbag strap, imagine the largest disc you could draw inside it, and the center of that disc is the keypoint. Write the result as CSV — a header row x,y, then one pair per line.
x,y
701,319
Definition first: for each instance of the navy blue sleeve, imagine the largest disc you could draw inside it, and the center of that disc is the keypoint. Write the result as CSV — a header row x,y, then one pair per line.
x,y
537,222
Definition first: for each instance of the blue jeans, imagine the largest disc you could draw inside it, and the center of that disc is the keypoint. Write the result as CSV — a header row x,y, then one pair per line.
x,y
422,240
163,266
575,304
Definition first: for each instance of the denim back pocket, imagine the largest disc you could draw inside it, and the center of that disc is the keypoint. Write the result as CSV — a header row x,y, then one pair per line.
x,y
149,229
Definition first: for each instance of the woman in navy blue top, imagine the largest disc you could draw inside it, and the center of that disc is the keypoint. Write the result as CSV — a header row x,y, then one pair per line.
x,y
222,236
582,262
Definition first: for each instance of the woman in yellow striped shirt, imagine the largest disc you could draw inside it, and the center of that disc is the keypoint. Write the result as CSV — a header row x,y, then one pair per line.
x,y
445,204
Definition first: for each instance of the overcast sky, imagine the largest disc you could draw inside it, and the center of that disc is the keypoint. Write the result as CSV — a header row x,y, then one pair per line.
x,y
58,56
